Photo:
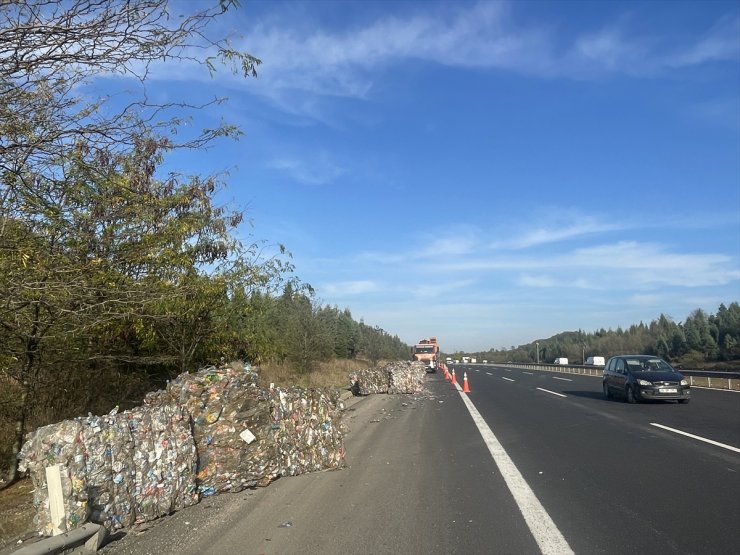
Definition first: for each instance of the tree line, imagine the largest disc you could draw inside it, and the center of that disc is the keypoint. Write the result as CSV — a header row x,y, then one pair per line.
x,y
701,339
116,275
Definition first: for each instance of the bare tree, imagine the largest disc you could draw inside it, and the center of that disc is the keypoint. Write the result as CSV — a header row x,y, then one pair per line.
x,y
50,48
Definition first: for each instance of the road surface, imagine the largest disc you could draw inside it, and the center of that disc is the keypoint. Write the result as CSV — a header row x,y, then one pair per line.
x,y
608,477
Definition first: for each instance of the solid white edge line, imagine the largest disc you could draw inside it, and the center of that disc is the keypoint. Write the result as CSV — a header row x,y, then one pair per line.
x,y
687,434
545,532
553,392
507,379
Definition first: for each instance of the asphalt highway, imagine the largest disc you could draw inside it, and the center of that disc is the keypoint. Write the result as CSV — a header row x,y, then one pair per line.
x,y
608,477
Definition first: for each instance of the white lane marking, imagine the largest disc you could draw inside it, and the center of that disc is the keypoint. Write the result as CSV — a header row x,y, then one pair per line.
x,y
507,379
507,369
545,532
489,373
717,443
529,373
564,379
548,391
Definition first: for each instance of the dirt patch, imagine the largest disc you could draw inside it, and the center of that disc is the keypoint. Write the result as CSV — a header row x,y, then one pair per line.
x,y
16,513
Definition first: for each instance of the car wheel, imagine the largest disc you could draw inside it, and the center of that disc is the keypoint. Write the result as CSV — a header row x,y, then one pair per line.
x,y
630,395
607,391
683,401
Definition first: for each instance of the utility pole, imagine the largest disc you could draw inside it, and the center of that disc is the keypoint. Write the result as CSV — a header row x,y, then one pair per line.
x,y
537,346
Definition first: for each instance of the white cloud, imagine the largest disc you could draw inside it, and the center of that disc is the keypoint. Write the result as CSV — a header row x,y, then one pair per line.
x,y
349,288
721,43
556,232
318,170
346,62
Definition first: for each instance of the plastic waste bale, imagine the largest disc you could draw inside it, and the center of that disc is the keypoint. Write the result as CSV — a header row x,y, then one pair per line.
x,y
228,412
369,381
117,469
406,377
110,470
57,444
165,461
307,429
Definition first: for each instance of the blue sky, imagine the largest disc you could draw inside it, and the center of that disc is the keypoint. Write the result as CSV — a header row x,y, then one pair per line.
x,y
487,172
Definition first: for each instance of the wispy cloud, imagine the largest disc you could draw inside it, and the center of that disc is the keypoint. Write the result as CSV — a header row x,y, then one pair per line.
x,y
345,62
720,43
316,170
350,288
556,232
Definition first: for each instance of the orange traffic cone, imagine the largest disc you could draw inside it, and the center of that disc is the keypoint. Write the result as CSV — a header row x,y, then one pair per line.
x,y
454,380
466,387
447,375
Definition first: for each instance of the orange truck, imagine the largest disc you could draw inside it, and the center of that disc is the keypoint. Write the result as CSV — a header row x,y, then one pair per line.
x,y
426,351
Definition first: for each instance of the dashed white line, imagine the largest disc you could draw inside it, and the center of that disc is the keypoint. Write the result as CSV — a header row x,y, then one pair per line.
x,y
489,373
507,379
553,392
564,379
529,373
545,532
717,443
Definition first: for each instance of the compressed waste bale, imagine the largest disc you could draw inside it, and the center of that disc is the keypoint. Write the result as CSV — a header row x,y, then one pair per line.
x,y
110,470
369,381
225,406
119,469
307,430
393,377
246,436
60,444
406,377
165,461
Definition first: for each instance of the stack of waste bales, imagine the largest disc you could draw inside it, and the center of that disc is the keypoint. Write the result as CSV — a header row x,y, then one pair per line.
x,y
369,381
212,431
406,377
391,377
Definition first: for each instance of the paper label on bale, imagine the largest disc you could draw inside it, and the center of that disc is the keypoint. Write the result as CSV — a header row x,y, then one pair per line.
x,y
247,436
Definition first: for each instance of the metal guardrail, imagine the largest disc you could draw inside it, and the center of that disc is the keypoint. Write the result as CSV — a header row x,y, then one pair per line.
x,y
699,378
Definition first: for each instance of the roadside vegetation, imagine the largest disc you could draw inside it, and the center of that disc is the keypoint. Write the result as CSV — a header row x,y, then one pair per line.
x,y
115,275
703,340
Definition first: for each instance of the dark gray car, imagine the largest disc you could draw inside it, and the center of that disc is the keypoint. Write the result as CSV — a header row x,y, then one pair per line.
x,y
643,377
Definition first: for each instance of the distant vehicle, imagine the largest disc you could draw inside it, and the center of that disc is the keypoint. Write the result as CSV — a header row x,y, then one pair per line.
x,y
457,361
561,360
426,351
465,360
485,361
473,360
595,361
643,377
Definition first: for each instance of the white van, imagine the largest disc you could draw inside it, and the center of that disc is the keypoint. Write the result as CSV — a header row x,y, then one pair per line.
x,y
563,361
595,361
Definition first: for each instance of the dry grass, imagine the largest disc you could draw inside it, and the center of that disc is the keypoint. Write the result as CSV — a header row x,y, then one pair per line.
x,y
16,512
328,374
